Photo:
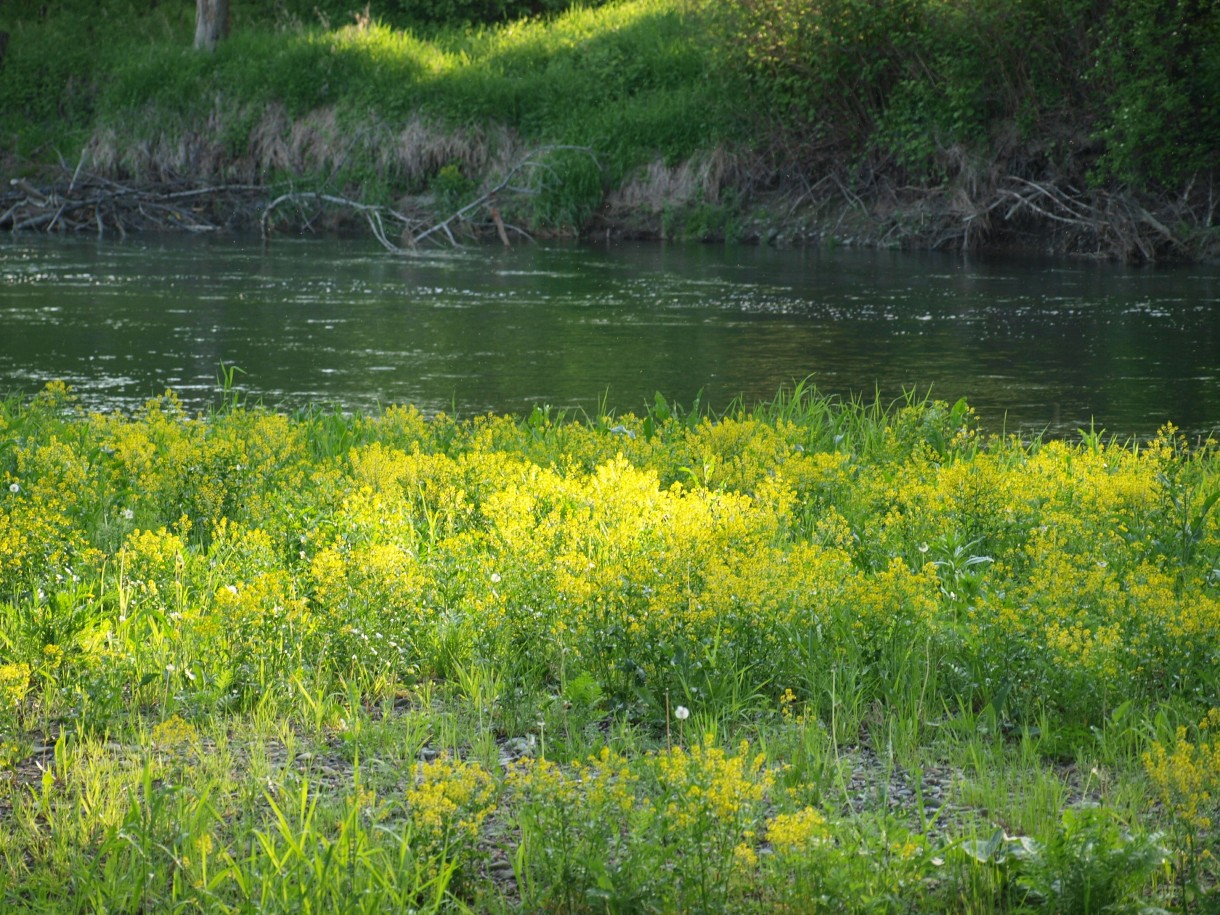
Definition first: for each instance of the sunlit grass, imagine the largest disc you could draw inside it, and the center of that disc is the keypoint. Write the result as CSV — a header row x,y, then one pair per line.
x,y
626,80
856,652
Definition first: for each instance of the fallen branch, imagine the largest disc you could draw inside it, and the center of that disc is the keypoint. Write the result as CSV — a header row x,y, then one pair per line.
x,y
532,162
373,214
376,216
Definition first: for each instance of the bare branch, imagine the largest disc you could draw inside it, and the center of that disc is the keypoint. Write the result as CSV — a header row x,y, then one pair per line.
x,y
532,160
376,216
87,202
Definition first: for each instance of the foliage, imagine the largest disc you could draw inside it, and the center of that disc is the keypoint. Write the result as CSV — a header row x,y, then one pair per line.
x,y
915,78
429,12
1158,66
1118,94
253,661
294,98
1089,864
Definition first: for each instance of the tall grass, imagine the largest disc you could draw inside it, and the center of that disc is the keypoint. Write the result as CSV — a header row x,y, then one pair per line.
x,y
808,649
894,102
624,80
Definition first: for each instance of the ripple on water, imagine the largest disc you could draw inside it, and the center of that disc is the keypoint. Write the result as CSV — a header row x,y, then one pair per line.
x,y
1037,342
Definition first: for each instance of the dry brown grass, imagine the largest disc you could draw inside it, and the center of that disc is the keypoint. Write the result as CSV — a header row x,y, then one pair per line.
x,y
316,144
1015,197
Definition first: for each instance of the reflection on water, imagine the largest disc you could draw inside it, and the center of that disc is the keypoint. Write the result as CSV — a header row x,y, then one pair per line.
x,y
1032,344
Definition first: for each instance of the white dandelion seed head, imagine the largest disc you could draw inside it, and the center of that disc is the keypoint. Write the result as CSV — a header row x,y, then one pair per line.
x,y
681,713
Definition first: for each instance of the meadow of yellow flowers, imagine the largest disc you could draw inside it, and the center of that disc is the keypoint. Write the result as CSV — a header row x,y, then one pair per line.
x,y
257,662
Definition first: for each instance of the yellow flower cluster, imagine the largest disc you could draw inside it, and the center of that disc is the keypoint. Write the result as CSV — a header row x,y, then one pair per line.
x,y
544,779
676,556
14,684
450,800
1187,775
705,786
174,732
795,834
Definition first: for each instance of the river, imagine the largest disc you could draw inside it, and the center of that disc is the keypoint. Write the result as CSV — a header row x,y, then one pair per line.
x,y
1035,345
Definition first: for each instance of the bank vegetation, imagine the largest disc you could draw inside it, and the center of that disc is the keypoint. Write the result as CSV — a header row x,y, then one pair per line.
x,y
1088,126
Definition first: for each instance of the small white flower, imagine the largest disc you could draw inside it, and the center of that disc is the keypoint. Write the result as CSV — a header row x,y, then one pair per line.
x,y
128,514
495,578
681,713
13,487
232,589
190,674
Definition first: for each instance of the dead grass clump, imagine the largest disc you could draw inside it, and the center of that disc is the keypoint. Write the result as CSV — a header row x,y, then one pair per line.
x,y
658,187
421,148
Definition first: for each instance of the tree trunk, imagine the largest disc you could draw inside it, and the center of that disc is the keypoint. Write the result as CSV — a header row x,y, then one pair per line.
x,y
211,23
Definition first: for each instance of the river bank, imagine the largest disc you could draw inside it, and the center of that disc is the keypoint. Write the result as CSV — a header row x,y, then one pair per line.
x,y
668,119
717,196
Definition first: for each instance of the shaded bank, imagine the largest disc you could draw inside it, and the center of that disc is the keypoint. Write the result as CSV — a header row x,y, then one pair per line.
x,y
187,181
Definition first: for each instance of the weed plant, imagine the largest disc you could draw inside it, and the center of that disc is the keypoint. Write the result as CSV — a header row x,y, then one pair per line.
x,y
842,655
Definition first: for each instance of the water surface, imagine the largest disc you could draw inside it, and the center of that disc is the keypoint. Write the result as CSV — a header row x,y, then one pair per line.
x,y
1033,344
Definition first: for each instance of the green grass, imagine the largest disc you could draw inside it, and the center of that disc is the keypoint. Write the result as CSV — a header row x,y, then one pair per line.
x,y
936,106
669,662
625,81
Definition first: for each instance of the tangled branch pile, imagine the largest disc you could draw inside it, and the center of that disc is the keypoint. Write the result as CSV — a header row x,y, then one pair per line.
x,y
1097,222
81,202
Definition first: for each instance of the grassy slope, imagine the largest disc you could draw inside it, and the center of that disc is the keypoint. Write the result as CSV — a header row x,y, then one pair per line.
x,y
625,81
941,124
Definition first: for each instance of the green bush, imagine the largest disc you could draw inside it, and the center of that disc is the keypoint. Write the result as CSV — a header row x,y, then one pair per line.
x,y
903,78
905,74
1159,70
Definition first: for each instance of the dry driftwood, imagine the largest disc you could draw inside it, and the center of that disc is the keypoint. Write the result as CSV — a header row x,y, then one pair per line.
x,y
1099,222
78,201
1018,196
524,178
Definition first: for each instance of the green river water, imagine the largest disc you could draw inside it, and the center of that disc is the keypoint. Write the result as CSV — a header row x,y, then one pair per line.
x,y
1035,345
